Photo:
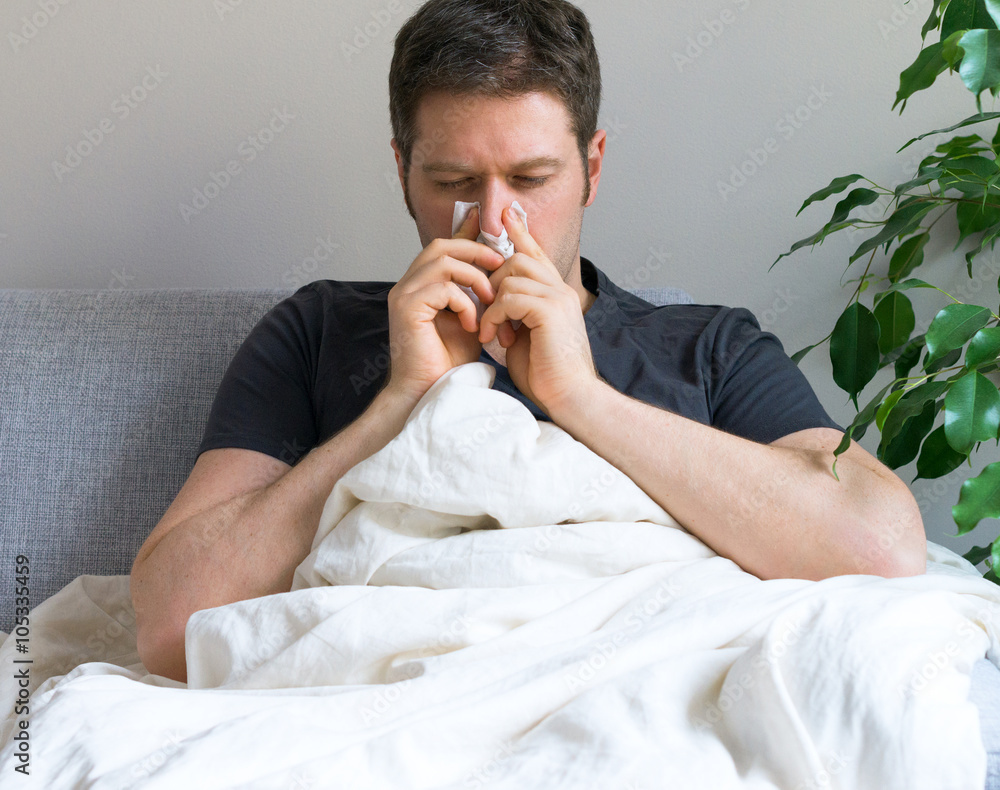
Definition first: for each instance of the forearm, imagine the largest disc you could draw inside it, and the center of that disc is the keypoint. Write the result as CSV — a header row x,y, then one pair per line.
x,y
250,545
777,511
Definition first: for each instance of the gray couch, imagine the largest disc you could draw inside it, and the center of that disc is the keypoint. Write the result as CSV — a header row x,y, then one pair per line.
x,y
105,395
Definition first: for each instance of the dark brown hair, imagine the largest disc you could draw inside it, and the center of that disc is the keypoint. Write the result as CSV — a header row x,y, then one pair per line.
x,y
496,48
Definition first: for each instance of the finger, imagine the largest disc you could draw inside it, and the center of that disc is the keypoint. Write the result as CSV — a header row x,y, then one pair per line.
x,y
440,296
470,227
460,249
506,334
448,269
518,233
529,303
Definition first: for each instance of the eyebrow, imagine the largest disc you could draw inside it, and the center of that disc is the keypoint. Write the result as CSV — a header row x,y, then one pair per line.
x,y
528,164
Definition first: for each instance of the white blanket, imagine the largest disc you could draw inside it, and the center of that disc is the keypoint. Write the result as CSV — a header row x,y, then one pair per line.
x,y
490,604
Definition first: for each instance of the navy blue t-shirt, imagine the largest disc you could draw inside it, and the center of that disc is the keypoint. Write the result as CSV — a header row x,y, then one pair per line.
x,y
313,364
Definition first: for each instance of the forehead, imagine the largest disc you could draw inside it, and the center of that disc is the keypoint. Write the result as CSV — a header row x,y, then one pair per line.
x,y
528,125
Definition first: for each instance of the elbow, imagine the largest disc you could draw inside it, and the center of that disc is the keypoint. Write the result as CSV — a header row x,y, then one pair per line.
x,y
159,636
895,544
161,650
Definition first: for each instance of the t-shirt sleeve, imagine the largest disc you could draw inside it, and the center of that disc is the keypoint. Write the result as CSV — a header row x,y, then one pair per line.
x,y
265,400
756,391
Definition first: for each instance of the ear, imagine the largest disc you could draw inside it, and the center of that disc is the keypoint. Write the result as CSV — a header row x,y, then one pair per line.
x,y
595,159
399,165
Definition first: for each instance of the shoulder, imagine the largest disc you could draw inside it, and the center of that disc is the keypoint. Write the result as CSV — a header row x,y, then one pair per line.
x,y
315,304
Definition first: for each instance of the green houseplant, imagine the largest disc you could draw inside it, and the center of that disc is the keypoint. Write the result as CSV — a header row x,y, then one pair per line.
x,y
942,401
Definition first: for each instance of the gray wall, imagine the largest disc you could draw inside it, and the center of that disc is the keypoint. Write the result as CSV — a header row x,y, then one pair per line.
x,y
155,98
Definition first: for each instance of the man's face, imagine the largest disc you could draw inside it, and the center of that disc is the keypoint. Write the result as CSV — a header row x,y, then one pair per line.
x,y
495,151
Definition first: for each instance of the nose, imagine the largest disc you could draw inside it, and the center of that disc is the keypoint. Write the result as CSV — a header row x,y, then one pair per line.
x,y
495,198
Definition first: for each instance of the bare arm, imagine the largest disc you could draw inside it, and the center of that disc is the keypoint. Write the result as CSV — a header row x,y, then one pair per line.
x,y
238,528
776,510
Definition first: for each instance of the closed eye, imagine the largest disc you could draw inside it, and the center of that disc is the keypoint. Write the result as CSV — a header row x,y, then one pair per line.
x,y
461,183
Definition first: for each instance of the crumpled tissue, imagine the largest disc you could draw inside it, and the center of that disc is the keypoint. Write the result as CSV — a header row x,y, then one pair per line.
x,y
501,243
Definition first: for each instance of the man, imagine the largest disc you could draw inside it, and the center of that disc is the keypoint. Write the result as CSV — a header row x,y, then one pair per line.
x,y
496,101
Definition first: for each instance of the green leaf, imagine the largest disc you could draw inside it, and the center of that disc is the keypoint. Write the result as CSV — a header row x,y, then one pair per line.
x,y
910,405
975,163
909,358
799,355
972,119
980,67
857,429
906,285
816,238
993,9
953,327
921,73
951,51
937,458
947,361
886,407
926,176
977,554
835,186
989,236
984,347
905,219
975,218
856,197
854,349
907,257
934,19
904,447
979,499
896,321
965,15
971,412
963,145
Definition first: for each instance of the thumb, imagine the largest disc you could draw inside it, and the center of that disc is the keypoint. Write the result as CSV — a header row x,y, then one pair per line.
x,y
470,228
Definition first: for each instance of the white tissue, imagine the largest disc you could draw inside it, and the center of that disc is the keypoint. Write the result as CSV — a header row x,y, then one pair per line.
x,y
501,243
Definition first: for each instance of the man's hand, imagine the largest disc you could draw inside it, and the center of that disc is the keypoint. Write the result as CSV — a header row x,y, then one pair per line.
x,y
548,357
433,325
